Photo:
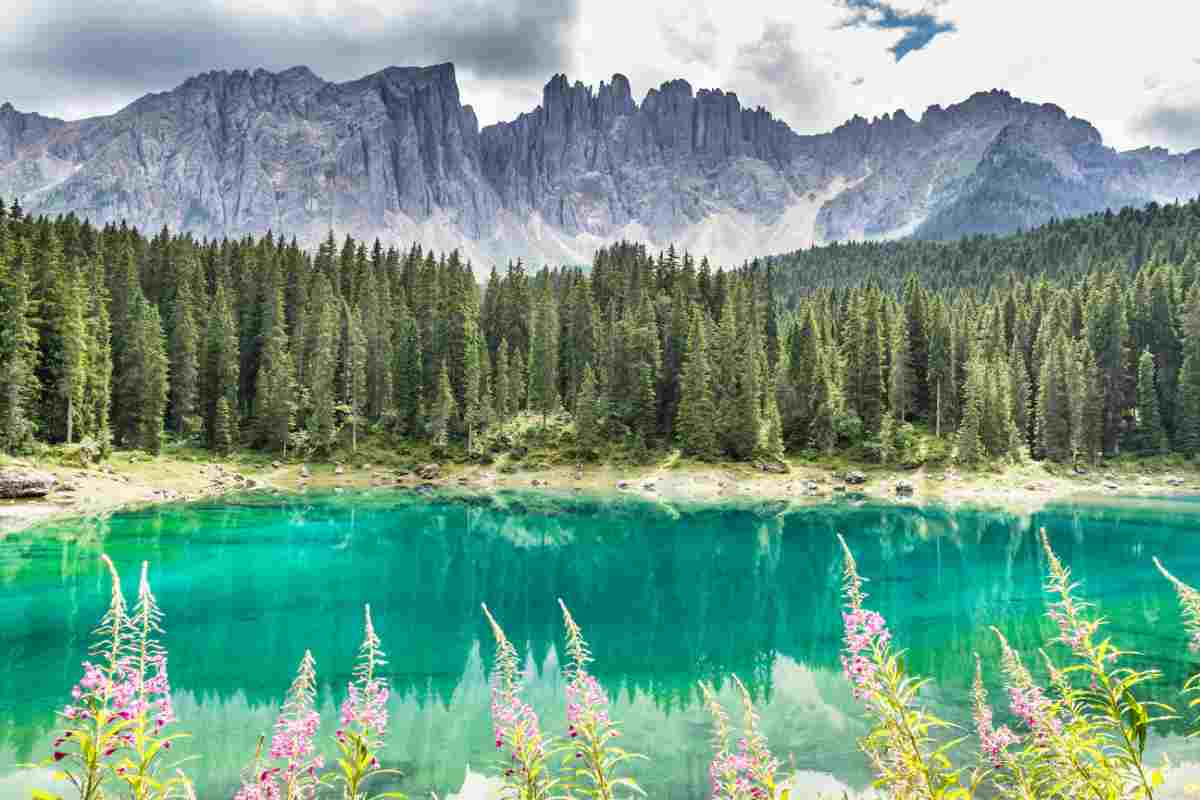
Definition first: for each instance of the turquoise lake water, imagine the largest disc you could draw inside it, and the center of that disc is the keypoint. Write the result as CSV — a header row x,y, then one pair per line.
x,y
665,596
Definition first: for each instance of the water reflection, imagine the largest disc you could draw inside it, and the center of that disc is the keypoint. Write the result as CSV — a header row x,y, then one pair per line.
x,y
666,599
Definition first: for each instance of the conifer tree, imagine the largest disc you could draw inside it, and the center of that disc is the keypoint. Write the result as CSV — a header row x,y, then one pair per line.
x,y
321,422
1149,436
64,348
221,365
275,390
725,367
543,359
942,372
443,410
1019,391
887,438
747,428
518,380
970,445
772,439
1088,437
17,355
184,359
828,404
695,420
500,383
380,358
1054,404
353,364
407,374
900,378
587,414
142,385
98,385
223,429
1187,432
1108,332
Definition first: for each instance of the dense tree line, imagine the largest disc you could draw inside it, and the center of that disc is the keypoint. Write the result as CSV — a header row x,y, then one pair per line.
x,y
112,337
1060,250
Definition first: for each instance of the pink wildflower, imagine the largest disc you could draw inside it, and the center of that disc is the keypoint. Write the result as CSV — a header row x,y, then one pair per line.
x,y
866,638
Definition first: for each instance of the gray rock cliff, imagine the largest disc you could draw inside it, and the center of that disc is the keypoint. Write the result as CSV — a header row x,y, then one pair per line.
x,y
398,155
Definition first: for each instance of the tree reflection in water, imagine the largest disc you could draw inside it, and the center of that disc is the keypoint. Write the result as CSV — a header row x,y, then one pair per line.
x,y
666,596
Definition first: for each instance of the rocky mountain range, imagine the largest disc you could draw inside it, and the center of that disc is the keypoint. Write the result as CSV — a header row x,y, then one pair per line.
x,y
398,155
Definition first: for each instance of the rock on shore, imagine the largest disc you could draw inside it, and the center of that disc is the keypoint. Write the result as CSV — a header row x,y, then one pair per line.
x,y
23,483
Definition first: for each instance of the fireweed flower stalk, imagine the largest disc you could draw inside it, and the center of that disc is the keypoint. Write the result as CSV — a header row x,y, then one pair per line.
x,y
1108,701
747,772
290,770
364,720
141,768
1009,778
99,720
590,756
524,770
908,762
1189,601
1061,756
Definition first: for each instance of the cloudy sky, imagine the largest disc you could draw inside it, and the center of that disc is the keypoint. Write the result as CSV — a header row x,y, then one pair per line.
x,y
1132,70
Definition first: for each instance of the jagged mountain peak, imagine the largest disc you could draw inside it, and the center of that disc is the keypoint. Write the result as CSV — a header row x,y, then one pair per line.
x,y
398,154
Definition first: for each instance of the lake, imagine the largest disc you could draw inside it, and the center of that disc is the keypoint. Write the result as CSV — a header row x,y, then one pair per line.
x,y
667,596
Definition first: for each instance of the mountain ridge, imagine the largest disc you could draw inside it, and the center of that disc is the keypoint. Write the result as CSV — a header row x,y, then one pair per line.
x,y
399,155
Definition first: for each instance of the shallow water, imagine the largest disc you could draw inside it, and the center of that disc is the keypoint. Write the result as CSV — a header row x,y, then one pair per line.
x,y
666,598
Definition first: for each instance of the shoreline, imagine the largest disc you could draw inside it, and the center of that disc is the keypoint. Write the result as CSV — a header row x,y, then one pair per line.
x,y
126,484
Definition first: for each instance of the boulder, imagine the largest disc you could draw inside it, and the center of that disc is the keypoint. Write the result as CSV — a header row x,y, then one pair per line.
x,y
20,483
339,470
275,465
429,472
855,478
304,473
904,489
622,484
1174,481
649,486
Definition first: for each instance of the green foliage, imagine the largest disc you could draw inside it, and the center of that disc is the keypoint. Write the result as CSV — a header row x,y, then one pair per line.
x,y
589,414
804,352
224,434
1148,437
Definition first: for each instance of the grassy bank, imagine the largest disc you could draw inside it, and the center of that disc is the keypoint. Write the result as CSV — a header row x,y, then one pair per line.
x,y
531,454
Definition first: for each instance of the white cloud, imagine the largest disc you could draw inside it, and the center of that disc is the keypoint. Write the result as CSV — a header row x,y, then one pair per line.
x,y
1018,45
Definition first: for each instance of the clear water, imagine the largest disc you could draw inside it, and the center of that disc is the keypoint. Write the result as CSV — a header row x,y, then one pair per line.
x,y
666,598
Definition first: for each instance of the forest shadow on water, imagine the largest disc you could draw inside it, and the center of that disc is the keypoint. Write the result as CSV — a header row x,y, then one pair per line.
x,y
666,597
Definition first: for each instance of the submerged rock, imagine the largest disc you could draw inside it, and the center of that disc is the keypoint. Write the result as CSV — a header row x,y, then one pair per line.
x,y
904,489
20,483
